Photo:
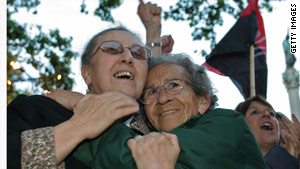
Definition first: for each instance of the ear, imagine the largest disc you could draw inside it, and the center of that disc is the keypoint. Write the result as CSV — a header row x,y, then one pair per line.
x,y
85,73
204,103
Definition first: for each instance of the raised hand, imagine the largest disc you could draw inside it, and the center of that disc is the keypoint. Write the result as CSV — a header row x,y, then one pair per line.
x,y
167,43
150,15
155,151
290,135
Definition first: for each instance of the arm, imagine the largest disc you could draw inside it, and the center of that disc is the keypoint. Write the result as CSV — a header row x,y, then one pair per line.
x,y
150,15
38,149
155,150
93,115
67,99
214,140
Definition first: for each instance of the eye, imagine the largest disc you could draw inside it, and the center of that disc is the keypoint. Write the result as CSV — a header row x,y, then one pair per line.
x,y
138,52
113,50
272,114
254,112
112,47
173,85
150,92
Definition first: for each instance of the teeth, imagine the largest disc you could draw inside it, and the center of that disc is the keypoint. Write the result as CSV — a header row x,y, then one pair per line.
x,y
168,112
266,126
121,74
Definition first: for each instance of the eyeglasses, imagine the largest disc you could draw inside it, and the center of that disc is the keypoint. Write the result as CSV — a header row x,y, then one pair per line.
x,y
173,86
115,48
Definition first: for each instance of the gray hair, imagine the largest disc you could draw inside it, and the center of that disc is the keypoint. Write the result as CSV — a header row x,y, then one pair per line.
x,y
196,74
88,53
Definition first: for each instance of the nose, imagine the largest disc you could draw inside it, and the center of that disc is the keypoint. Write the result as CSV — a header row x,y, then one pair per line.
x,y
163,96
127,56
266,114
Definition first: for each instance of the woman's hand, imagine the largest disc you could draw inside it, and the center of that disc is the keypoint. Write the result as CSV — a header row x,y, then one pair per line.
x,y
155,150
290,135
95,113
167,44
150,15
68,99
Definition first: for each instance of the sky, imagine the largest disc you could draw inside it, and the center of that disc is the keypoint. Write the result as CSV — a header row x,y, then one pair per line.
x,y
65,16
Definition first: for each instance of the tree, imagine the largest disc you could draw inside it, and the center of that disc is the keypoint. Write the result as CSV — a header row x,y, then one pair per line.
x,y
51,54
47,52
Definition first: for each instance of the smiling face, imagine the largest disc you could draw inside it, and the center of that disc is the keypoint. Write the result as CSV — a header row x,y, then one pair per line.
x,y
120,72
169,111
264,125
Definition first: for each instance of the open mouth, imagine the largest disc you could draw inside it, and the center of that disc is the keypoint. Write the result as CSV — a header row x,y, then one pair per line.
x,y
167,112
124,75
267,126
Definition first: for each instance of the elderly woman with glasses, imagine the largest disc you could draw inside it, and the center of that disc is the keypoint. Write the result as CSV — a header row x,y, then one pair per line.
x,y
178,99
42,133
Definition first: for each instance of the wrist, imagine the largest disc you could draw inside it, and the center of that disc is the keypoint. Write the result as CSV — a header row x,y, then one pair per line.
x,y
153,44
153,36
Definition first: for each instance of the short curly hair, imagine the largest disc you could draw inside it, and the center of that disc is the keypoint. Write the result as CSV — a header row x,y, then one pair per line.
x,y
196,74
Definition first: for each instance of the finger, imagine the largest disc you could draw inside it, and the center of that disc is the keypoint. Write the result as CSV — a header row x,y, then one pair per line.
x,y
291,127
173,138
131,143
171,40
153,9
295,120
141,6
158,11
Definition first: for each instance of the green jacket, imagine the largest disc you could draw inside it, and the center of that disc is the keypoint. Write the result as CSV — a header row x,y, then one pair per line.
x,y
220,139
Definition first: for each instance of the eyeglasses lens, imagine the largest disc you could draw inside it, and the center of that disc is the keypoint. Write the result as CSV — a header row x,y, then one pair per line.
x,y
112,48
172,87
115,48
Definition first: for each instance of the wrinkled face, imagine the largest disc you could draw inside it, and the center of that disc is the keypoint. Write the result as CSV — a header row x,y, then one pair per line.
x,y
263,123
169,111
120,72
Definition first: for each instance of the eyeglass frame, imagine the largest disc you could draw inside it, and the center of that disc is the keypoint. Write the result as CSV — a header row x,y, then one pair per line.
x,y
181,89
148,51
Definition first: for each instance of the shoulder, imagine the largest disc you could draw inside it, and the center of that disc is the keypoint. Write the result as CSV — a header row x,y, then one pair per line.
x,y
223,115
37,101
36,111
278,157
224,112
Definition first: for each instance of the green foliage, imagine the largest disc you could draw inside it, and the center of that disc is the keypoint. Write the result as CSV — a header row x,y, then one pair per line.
x,y
204,15
50,54
104,8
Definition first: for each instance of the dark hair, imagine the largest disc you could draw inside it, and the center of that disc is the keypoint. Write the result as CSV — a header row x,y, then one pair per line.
x,y
91,46
243,106
196,74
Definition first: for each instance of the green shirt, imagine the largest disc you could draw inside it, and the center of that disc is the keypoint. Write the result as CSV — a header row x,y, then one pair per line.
x,y
220,139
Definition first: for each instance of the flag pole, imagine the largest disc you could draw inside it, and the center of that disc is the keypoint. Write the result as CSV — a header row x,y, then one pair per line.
x,y
252,71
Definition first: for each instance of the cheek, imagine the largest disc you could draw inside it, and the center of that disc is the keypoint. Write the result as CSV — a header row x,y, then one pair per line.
x,y
150,114
142,70
252,122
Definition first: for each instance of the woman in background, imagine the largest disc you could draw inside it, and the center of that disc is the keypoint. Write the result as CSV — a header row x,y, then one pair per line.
x,y
262,119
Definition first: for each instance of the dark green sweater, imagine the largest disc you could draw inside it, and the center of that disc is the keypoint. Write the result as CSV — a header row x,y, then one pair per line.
x,y
220,139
